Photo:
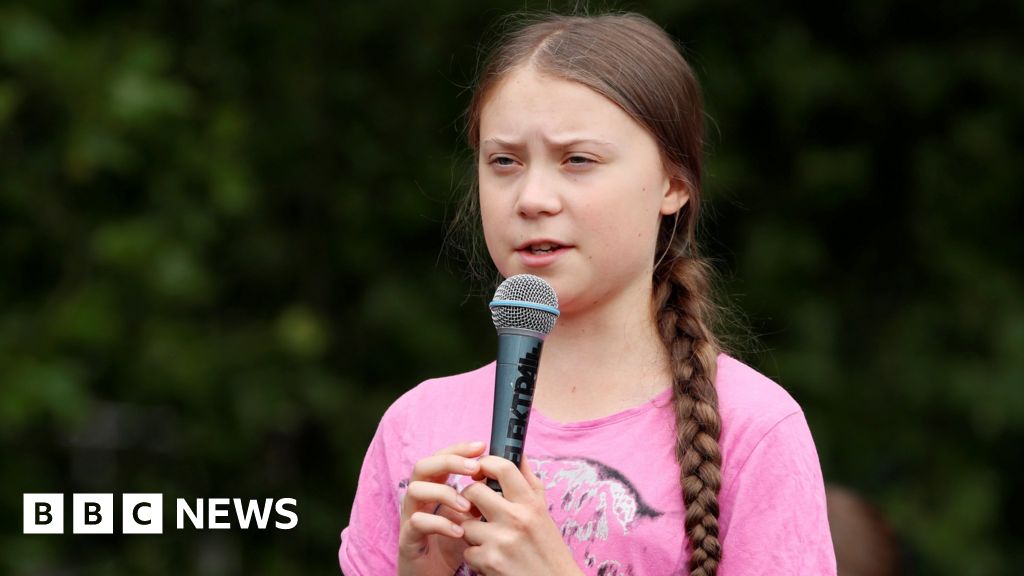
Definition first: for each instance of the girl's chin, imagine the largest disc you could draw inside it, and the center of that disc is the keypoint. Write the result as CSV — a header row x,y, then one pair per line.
x,y
547,275
556,282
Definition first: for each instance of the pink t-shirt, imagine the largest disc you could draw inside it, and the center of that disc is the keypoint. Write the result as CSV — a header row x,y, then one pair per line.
x,y
612,484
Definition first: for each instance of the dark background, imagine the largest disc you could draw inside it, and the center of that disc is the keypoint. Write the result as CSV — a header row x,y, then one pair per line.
x,y
222,254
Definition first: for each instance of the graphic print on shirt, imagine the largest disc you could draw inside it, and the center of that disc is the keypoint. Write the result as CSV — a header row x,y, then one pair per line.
x,y
590,503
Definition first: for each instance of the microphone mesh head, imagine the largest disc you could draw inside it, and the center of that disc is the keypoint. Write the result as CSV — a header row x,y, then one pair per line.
x,y
528,289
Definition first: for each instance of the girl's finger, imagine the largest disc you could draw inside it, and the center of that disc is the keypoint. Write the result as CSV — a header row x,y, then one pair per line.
x,y
513,483
490,504
464,449
457,516
477,532
439,466
535,483
423,495
420,525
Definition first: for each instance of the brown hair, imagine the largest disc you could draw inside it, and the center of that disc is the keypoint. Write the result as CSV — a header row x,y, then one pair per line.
x,y
635,64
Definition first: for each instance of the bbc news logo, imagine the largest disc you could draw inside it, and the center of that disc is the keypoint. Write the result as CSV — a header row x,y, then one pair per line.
x,y
143,513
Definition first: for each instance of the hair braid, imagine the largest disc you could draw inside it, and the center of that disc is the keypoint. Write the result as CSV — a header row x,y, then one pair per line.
x,y
682,304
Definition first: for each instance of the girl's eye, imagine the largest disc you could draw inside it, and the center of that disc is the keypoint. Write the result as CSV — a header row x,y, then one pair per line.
x,y
502,161
579,160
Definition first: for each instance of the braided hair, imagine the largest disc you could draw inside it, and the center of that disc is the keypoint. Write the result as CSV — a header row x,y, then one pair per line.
x,y
680,297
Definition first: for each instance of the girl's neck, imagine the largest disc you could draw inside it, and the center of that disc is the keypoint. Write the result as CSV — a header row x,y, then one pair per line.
x,y
601,361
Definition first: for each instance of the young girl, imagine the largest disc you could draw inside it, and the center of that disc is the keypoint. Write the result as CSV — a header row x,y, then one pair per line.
x,y
649,451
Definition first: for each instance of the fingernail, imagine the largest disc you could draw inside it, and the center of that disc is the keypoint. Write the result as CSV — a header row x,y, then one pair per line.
x,y
462,502
471,465
457,530
477,444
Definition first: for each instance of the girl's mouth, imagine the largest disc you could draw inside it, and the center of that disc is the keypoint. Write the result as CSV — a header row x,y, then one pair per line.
x,y
543,248
540,254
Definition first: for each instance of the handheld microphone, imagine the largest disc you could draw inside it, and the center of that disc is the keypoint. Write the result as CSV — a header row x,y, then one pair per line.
x,y
524,310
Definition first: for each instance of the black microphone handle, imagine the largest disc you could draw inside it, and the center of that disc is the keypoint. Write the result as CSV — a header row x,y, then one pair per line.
x,y
515,378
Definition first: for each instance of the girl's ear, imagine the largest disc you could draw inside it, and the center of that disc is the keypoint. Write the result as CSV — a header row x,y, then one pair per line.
x,y
677,194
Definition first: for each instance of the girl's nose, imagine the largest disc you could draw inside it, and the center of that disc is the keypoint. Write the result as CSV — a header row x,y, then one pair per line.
x,y
538,195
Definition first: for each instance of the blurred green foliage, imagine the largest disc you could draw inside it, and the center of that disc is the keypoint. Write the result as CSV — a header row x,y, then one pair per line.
x,y
221,230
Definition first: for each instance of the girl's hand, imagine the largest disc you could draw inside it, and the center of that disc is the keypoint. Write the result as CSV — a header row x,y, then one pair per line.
x,y
430,538
519,536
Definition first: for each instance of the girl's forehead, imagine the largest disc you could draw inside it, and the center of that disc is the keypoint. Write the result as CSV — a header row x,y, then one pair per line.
x,y
529,102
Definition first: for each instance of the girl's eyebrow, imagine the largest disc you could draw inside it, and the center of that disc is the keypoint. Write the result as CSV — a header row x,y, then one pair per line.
x,y
501,143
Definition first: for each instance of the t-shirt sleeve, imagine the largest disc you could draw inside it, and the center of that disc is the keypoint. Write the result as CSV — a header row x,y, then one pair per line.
x,y
369,544
774,517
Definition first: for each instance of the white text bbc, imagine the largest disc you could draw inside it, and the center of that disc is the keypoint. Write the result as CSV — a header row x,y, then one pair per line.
x,y
143,513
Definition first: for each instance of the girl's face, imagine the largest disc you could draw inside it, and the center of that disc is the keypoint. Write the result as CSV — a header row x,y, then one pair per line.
x,y
571,189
